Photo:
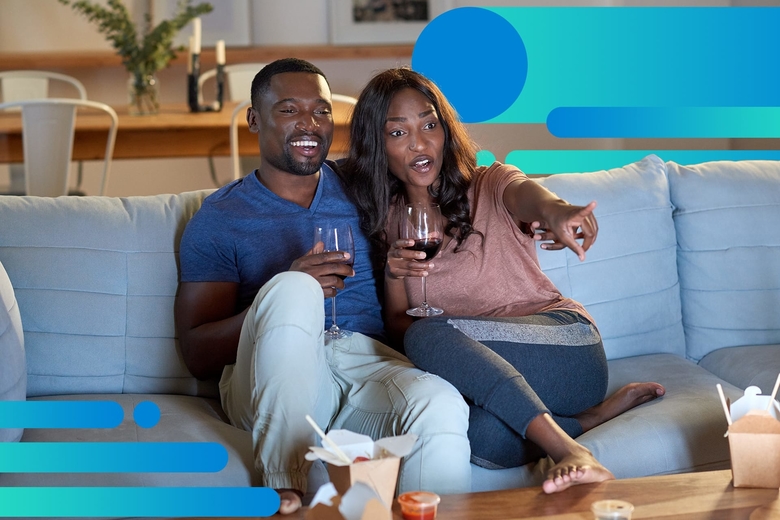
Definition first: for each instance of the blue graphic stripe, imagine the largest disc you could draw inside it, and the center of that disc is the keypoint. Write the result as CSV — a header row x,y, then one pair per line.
x,y
706,122
113,457
595,56
61,502
60,414
549,162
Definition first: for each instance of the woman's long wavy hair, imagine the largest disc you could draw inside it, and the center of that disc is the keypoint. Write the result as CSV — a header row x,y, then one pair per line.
x,y
374,189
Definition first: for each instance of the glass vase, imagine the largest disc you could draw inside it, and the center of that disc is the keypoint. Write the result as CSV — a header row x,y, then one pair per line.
x,y
143,91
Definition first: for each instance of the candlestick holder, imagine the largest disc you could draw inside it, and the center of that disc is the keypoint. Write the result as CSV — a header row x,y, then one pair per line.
x,y
193,91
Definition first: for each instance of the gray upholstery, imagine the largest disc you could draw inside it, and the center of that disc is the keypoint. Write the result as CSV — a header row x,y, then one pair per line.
x,y
13,372
629,281
745,366
726,217
95,279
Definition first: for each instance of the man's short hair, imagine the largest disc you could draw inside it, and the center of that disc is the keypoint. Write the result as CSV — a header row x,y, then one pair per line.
x,y
262,80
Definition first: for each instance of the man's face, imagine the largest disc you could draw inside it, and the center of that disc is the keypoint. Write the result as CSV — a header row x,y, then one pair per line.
x,y
295,123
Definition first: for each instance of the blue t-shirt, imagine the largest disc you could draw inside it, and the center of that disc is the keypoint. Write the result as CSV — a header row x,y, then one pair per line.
x,y
245,233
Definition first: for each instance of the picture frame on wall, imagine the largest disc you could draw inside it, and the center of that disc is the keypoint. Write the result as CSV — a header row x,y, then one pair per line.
x,y
229,21
366,22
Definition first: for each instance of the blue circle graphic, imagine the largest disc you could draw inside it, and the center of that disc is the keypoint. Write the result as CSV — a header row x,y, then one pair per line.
x,y
146,414
477,59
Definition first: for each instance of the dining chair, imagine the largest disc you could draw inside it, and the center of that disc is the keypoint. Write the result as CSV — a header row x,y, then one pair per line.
x,y
48,127
239,78
20,85
235,157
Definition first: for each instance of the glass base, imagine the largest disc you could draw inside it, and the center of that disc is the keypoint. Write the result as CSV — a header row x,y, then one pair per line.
x,y
424,310
336,333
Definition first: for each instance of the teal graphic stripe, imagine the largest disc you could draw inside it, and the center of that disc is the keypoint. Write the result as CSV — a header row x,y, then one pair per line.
x,y
64,502
60,414
601,57
573,161
706,122
111,457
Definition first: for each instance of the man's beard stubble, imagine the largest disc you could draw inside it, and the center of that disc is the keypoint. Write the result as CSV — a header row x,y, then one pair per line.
x,y
303,169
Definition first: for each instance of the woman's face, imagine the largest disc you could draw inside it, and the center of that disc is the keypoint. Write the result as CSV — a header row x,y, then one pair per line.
x,y
414,140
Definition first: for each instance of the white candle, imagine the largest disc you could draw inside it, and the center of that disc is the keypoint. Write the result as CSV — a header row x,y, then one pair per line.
x,y
220,52
196,35
189,57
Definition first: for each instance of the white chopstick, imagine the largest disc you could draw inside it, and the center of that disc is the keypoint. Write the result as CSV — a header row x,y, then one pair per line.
x,y
774,393
723,402
326,440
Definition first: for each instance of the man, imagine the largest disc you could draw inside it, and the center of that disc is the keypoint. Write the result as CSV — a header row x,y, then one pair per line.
x,y
252,301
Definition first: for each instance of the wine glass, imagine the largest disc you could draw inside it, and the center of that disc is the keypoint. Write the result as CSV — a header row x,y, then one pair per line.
x,y
336,237
423,225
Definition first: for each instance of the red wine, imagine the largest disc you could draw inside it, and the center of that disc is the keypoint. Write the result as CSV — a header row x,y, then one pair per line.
x,y
430,246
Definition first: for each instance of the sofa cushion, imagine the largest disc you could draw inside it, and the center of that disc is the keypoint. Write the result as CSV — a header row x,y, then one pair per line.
x,y
757,365
681,432
628,281
13,373
727,216
678,433
96,278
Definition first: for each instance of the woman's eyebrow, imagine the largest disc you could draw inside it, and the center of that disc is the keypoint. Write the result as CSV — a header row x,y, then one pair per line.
x,y
420,115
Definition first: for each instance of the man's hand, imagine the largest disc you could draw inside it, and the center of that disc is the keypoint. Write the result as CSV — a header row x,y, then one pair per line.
x,y
329,269
565,225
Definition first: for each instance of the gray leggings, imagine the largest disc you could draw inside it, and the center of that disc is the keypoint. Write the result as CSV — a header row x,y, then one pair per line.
x,y
510,370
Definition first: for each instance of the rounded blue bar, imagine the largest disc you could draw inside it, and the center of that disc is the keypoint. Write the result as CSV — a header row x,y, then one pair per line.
x,y
85,502
112,457
60,414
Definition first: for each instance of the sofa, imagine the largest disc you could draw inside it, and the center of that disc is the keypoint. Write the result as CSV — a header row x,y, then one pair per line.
x,y
683,282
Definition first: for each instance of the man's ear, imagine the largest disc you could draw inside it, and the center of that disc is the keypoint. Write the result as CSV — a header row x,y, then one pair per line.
x,y
251,119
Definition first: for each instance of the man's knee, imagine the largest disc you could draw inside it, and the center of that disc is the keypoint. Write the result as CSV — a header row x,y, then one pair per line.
x,y
290,298
297,286
430,405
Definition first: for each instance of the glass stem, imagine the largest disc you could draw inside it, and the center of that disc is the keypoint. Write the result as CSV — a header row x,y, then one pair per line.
x,y
425,293
333,325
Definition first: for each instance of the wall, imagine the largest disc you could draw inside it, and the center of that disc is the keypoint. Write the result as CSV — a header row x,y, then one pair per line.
x,y
41,25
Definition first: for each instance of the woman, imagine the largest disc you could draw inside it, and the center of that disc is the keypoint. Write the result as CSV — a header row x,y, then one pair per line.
x,y
529,361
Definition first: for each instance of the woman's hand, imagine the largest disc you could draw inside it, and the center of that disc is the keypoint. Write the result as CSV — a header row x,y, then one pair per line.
x,y
403,262
565,224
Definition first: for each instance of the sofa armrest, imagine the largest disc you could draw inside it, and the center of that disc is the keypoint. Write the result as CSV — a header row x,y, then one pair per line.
x,y
13,368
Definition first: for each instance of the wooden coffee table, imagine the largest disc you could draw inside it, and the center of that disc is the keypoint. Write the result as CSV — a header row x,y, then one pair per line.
x,y
707,495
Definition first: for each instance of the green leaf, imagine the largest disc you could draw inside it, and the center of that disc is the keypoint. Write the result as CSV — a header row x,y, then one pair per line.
x,y
140,55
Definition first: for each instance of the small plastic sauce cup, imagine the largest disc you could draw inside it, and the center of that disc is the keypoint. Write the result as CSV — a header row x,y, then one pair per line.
x,y
419,505
612,510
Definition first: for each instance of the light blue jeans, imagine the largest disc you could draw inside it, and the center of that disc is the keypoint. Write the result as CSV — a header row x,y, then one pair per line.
x,y
284,370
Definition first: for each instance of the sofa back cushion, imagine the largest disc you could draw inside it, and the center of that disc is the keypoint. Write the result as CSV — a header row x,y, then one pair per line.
x,y
13,375
628,281
727,216
96,278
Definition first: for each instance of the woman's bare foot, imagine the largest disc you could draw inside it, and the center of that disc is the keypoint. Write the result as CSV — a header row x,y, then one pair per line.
x,y
580,467
631,395
291,500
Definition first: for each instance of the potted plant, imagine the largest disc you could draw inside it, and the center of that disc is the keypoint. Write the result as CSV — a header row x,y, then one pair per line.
x,y
142,55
